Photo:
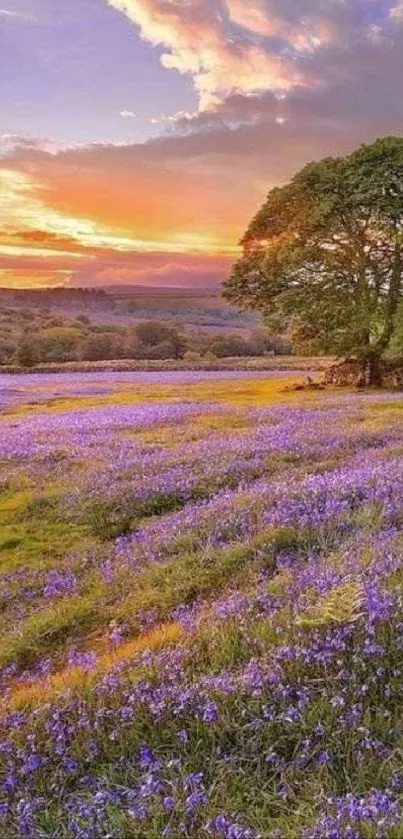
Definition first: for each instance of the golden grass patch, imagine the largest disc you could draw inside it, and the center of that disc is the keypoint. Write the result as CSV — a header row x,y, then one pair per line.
x,y
75,677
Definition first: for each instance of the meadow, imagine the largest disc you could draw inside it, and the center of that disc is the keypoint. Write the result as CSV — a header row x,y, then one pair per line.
x,y
201,608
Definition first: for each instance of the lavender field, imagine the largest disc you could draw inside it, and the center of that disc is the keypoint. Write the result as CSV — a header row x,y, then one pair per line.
x,y
201,608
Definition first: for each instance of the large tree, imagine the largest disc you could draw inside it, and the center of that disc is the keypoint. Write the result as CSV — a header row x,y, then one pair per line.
x,y
326,251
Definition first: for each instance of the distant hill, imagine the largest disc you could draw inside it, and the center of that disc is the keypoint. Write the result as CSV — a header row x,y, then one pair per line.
x,y
204,309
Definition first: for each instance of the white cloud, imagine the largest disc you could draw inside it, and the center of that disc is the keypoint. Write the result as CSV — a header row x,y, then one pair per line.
x,y
128,114
198,42
14,16
178,118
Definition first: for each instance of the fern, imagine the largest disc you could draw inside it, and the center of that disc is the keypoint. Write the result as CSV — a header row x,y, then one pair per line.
x,y
343,604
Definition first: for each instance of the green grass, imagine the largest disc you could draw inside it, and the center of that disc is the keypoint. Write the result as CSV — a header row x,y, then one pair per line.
x,y
35,532
157,589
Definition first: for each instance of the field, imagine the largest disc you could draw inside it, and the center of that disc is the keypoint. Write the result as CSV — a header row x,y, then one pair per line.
x,y
271,364
201,623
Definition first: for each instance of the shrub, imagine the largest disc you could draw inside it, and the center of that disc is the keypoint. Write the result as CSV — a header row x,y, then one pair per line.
x,y
156,334
192,357
210,358
58,343
227,346
27,354
97,347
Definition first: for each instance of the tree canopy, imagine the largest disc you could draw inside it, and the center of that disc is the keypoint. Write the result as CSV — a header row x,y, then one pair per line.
x,y
326,250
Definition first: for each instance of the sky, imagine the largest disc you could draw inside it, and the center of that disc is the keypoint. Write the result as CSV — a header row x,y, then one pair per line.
x,y
138,137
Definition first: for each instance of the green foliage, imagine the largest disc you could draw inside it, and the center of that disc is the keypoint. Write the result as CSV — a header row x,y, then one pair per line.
x,y
110,519
231,345
97,346
58,343
27,354
38,336
326,251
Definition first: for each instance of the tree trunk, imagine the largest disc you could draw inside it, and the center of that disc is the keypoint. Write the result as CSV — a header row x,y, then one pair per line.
x,y
374,371
370,374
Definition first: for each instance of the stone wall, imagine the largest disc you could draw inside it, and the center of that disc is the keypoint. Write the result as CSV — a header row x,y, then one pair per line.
x,y
347,373
344,373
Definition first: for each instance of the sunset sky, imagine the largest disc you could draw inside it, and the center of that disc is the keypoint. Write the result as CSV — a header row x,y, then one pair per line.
x,y
137,137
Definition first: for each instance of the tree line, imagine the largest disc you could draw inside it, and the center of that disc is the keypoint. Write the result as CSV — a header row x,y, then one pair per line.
x,y
29,337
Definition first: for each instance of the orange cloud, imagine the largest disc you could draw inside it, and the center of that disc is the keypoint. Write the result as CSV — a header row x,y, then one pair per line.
x,y
162,270
21,278
99,215
148,197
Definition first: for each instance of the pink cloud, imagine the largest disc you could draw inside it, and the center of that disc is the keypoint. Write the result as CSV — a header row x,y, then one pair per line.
x,y
196,272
